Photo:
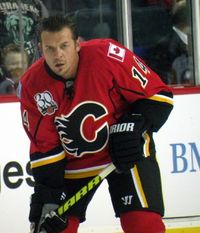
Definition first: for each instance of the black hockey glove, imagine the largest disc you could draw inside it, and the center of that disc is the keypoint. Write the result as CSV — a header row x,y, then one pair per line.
x,y
52,223
126,141
44,200
35,212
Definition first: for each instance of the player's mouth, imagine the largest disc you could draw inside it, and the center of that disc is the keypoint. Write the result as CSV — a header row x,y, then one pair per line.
x,y
59,65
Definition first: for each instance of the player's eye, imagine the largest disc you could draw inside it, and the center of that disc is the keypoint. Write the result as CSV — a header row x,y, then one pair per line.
x,y
50,49
64,46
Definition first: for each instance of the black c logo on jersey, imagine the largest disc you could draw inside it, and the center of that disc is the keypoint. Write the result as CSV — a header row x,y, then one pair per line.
x,y
80,130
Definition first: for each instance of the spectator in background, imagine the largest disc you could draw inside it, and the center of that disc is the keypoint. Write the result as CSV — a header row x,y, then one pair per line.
x,y
18,21
94,19
164,55
182,64
6,84
15,62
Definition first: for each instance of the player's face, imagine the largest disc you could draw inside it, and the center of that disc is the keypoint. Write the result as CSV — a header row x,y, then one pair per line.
x,y
61,52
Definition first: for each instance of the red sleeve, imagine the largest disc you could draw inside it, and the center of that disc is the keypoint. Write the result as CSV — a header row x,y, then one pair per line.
x,y
140,86
133,77
38,109
40,128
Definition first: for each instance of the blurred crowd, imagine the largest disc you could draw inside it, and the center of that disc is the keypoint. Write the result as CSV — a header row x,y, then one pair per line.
x,y
166,50
18,23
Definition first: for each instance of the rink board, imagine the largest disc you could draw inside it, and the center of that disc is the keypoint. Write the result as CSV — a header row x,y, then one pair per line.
x,y
178,151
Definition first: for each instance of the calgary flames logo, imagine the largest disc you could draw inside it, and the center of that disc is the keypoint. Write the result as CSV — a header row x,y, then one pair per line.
x,y
83,130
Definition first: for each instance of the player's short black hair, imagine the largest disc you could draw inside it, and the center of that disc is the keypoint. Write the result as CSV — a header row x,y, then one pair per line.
x,y
56,23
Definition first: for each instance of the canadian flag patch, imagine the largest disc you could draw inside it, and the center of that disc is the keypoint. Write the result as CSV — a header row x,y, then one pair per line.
x,y
116,52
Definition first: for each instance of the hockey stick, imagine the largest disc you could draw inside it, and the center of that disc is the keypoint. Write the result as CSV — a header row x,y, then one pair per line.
x,y
83,191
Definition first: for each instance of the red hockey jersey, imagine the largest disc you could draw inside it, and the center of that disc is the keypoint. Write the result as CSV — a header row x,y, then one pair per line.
x,y
71,118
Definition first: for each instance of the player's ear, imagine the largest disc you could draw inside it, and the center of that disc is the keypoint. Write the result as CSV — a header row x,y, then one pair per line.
x,y
78,46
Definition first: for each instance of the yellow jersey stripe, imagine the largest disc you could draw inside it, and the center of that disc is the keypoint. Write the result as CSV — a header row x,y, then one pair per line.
x,y
48,160
162,98
83,173
146,144
139,188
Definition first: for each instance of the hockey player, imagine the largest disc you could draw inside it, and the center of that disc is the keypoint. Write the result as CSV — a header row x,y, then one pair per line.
x,y
85,105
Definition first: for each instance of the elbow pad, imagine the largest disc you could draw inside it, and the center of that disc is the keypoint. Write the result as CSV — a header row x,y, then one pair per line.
x,y
50,171
155,112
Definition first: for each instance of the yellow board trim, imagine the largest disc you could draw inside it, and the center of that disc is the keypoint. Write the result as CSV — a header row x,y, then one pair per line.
x,y
180,230
184,230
